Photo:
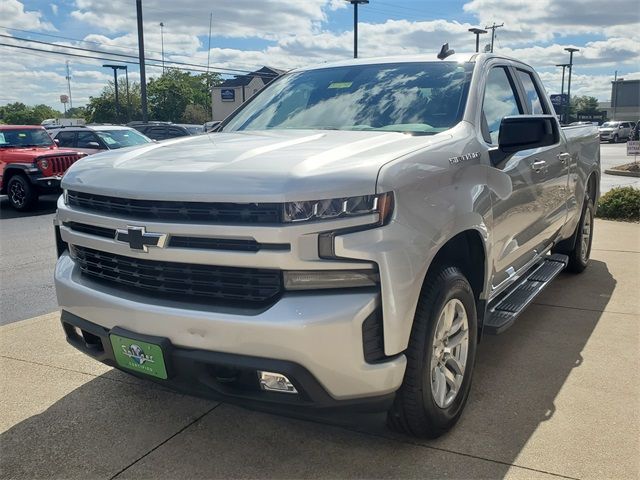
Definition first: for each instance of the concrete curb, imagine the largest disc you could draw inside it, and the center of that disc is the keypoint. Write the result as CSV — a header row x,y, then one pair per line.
x,y
622,173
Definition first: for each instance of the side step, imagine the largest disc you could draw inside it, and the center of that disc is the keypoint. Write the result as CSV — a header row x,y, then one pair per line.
x,y
502,314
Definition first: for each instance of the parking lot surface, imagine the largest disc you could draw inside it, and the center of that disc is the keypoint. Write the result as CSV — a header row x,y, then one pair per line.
x,y
557,395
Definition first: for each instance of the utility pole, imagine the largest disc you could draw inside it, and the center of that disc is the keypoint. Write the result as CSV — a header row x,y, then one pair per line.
x,y
162,43
563,105
493,32
355,4
209,47
69,85
614,96
115,84
570,50
477,32
143,76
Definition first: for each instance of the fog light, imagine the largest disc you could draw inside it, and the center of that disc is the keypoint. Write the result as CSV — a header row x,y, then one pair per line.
x,y
275,382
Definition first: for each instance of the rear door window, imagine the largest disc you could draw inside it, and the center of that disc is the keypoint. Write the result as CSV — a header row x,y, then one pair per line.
x,y
157,133
531,89
177,132
66,139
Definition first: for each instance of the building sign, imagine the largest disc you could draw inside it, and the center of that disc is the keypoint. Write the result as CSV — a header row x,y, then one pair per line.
x,y
228,95
64,99
633,147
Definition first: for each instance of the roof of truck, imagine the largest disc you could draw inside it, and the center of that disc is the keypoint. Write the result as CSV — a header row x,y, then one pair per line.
x,y
462,57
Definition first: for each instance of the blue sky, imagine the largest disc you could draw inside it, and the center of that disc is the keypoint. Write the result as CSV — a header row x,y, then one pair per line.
x,y
290,33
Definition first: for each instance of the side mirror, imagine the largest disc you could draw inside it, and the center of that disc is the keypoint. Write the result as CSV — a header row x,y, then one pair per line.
x,y
93,145
56,141
523,132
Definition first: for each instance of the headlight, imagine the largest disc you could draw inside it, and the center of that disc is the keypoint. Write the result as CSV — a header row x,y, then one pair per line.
x,y
339,207
321,279
44,164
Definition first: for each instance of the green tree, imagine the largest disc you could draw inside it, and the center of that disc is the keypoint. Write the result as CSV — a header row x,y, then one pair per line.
x,y
20,114
102,109
171,93
196,114
77,112
584,104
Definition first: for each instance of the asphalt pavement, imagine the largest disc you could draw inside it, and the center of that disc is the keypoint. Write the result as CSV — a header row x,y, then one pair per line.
x,y
27,259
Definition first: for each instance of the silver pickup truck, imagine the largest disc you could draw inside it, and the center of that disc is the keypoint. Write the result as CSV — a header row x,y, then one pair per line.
x,y
342,242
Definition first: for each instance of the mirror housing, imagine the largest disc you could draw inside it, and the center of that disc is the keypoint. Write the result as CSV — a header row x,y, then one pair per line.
x,y
93,145
523,132
56,141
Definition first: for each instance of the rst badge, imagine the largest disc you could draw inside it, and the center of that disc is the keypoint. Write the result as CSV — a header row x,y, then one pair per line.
x,y
464,158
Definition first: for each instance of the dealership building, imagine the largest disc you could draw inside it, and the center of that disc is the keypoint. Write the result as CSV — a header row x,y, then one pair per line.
x,y
233,92
625,101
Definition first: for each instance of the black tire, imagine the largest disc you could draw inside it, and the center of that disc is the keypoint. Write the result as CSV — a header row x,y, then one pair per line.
x,y
22,195
578,256
415,411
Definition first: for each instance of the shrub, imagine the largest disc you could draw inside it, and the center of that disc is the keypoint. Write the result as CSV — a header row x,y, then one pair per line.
x,y
620,203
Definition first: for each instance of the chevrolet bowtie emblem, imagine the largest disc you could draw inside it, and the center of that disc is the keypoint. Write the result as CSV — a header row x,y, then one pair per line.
x,y
139,239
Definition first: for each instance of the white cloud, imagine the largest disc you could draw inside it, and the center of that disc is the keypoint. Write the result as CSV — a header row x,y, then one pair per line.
x,y
13,15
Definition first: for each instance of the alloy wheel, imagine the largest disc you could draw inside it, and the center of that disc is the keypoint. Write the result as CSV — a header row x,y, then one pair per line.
x,y
585,238
449,353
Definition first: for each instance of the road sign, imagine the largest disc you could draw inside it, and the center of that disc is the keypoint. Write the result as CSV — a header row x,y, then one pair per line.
x,y
64,98
633,147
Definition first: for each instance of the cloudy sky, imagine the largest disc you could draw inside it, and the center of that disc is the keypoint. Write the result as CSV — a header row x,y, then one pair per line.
x,y
247,34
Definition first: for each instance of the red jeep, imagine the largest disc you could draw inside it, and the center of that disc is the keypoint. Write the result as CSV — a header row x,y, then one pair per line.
x,y
31,164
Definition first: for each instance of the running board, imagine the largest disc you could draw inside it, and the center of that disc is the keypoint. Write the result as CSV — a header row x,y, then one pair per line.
x,y
502,314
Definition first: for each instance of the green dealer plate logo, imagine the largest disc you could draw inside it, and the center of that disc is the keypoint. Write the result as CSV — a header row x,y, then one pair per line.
x,y
141,357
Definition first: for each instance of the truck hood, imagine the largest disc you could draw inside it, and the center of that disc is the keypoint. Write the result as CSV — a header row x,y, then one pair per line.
x,y
259,166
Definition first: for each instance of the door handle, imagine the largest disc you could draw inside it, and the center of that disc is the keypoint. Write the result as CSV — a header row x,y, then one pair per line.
x,y
538,165
564,157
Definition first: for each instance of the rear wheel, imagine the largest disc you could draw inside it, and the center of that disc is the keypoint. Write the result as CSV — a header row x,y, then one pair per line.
x,y
579,256
22,195
440,357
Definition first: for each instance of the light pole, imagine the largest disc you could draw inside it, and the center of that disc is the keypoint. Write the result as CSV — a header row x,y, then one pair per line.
x,y
570,50
477,32
126,76
162,43
355,4
143,75
562,102
115,82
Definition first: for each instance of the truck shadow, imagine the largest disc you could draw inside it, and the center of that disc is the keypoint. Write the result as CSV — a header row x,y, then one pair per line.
x,y
103,426
46,205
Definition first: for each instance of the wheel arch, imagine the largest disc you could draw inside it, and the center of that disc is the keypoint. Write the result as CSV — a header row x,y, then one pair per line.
x,y
12,170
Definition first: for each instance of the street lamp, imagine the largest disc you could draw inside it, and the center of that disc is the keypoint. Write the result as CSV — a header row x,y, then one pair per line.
x,y
355,4
571,50
562,102
477,32
115,82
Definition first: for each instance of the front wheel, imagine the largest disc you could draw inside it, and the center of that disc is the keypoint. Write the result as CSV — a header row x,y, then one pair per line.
x,y
615,139
22,195
440,357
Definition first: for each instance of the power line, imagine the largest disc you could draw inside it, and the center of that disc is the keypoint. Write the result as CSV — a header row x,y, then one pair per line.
x,y
493,32
222,70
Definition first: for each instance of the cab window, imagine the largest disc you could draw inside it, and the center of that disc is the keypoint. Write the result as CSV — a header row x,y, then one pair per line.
x,y
500,100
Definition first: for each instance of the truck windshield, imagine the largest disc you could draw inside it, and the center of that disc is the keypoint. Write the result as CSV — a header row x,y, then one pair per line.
x,y
420,98
27,137
122,138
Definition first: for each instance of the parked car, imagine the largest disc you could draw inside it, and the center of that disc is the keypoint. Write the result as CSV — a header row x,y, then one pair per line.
x,y
346,240
165,130
31,164
211,126
615,131
62,122
98,138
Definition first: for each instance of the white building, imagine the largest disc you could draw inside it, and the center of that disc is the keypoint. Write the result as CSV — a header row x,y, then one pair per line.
x,y
233,92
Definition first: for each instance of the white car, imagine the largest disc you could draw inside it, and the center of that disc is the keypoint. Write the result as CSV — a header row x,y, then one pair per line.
x,y
98,138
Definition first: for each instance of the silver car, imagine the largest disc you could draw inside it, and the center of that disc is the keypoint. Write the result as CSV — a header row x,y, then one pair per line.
x,y
616,131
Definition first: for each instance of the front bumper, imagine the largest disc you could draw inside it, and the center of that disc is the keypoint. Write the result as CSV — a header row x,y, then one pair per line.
x,y
221,376
320,333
